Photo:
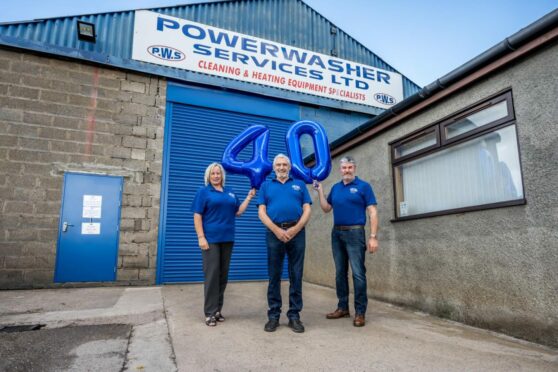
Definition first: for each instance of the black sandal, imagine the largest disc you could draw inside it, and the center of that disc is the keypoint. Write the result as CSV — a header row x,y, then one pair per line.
x,y
210,321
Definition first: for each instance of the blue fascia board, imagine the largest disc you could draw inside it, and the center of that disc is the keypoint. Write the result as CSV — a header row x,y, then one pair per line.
x,y
229,101
183,75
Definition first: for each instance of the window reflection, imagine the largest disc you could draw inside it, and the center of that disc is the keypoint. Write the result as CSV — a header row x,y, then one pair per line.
x,y
484,170
419,143
478,119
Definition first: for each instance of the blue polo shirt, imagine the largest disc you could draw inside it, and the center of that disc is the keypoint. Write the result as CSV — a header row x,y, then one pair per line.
x,y
218,210
284,201
349,202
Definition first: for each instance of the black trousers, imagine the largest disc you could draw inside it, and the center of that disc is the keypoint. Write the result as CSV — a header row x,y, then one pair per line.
x,y
216,262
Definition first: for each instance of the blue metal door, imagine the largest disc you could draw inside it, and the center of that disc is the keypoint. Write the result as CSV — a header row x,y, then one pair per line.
x,y
199,125
89,228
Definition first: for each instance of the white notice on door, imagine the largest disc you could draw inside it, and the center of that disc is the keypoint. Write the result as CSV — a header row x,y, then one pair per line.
x,y
90,228
91,212
92,206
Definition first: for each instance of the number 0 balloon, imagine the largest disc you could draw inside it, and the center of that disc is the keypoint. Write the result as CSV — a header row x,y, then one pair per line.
x,y
321,147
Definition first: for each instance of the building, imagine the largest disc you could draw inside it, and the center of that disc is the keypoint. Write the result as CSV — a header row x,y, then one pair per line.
x,y
108,121
103,142
465,173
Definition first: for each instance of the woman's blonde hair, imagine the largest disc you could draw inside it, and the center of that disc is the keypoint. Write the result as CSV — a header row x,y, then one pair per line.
x,y
208,172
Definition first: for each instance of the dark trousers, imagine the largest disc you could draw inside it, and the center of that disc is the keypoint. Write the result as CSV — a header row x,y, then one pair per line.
x,y
349,247
276,250
216,262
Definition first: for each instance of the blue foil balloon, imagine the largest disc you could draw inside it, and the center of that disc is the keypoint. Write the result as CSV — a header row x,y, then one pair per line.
x,y
321,147
259,167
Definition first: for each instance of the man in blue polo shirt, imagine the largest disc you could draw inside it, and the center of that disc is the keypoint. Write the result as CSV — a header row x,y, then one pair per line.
x,y
284,208
351,199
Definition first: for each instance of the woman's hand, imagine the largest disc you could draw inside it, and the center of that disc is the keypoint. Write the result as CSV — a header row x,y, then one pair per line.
x,y
202,242
246,201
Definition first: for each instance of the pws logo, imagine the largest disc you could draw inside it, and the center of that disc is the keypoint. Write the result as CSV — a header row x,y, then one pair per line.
x,y
166,53
296,188
384,98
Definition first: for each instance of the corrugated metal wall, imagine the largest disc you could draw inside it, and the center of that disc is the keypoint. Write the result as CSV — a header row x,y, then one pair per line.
x,y
290,22
114,33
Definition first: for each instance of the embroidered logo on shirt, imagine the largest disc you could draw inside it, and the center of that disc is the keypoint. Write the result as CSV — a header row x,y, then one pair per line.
x,y
231,194
353,190
296,188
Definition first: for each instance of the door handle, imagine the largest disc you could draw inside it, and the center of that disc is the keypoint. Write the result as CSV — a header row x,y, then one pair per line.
x,y
65,226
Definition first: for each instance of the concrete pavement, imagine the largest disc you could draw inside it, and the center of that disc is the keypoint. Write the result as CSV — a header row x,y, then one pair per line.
x,y
162,329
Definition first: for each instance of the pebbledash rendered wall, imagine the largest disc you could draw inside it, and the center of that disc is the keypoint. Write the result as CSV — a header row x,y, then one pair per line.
x,y
58,116
496,268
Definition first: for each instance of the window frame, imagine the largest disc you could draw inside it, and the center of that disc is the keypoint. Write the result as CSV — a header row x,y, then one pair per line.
x,y
482,106
445,143
412,137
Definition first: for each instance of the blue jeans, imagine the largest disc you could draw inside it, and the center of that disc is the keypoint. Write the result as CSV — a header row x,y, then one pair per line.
x,y
276,251
349,246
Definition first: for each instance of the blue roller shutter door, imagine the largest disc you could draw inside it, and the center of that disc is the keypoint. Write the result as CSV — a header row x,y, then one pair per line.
x,y
197,136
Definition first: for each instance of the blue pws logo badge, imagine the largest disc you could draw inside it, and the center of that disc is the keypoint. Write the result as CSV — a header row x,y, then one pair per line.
x,y
166,53
296,188
384,98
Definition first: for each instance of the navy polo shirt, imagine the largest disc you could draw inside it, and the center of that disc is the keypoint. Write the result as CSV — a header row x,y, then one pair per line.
x,y
284,201
349,202
218,210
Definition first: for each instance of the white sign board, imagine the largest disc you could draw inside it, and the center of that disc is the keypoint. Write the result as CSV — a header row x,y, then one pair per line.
x,y
183,44
403,209
92,205
93,228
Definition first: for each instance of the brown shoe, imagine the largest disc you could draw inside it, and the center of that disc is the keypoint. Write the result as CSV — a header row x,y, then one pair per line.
x,y
338,314
359,320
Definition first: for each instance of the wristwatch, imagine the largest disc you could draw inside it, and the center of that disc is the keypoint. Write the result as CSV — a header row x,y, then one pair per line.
x,y
373,236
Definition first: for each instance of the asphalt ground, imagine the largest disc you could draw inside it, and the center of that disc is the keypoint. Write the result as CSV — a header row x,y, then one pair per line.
x,y
77,348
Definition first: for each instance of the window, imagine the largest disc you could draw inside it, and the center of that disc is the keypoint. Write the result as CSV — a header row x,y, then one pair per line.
x,y
467,162
476,120
422,141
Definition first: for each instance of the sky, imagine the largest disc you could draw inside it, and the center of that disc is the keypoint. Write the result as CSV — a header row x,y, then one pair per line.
x,y
423,40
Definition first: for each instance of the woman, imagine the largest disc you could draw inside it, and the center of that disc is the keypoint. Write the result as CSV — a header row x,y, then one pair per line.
x,y
215,207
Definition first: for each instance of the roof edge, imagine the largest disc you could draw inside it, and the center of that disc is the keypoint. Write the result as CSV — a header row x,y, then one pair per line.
x,y
538,33
183,3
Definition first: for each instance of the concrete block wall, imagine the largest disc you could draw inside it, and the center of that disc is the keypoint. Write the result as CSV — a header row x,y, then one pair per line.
x,y
493,268
58,116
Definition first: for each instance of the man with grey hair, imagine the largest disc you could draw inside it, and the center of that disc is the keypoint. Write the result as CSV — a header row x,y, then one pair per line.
x,y
351,199
284,208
